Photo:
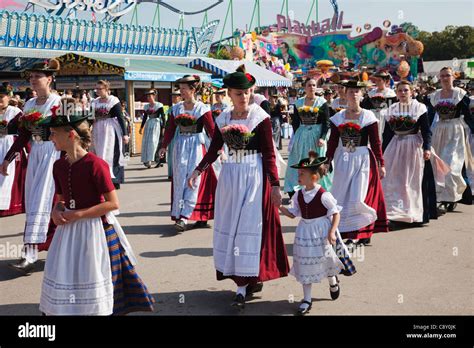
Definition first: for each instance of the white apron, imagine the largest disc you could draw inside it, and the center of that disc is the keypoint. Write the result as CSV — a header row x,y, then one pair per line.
x,y
6,141
451,143
351,179
187,154
404,166
104,134
238,217
39,183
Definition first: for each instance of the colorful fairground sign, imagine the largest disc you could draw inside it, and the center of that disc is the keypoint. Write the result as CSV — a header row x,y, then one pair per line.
x,y
290,47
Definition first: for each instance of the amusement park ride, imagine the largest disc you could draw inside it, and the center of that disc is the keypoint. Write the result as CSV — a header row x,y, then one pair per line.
x,y
113,10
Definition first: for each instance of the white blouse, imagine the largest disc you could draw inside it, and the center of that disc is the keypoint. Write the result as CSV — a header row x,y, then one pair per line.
x,y
327,199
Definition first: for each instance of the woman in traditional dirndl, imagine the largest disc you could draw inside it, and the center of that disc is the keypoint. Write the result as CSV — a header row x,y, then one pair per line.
x,y
358,169
379,98
219,105
109,132
89,269
197,203
175,99
39,185
152,121
314,257
407,150
248,244
340,102
450,139
11,185
470,171
310,124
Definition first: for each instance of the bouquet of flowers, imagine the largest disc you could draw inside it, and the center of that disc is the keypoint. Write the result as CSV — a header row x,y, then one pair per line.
x,y
216,113
3,128
445,109
150,111
350,135
308,113
236,136
377,101
349,129
31,120
401,123
101,112
185,120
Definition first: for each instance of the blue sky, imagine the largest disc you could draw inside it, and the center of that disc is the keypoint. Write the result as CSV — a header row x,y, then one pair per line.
x,y
430,15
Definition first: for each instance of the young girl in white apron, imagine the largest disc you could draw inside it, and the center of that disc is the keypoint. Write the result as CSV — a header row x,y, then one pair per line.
x,y
89,269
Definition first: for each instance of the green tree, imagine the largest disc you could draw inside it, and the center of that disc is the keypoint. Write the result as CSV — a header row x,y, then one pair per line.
x,y
452,42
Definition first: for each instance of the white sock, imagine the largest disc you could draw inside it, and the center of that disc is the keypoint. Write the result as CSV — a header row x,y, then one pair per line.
x,y
332,281
31,252
307,292
242,290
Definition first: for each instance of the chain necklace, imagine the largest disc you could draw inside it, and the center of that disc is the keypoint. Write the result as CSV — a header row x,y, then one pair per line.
x,y
42,99
239,114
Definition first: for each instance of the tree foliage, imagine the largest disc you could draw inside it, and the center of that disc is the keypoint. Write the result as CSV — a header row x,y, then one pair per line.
x,y
452,42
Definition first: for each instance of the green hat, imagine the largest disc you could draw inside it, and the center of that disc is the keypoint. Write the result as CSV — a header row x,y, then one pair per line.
x,y
311,162
151,91
239,80
220,91
65,114
49,68
354,84
382,75
4,90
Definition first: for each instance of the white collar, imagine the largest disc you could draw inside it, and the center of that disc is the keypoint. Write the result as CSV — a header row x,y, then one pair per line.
x,y
458,94
256,115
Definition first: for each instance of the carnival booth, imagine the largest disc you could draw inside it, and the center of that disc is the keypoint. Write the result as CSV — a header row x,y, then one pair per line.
x,y
129,79
221,67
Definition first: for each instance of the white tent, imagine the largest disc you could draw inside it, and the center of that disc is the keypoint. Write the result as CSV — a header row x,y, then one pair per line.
x,y
433,67
221,67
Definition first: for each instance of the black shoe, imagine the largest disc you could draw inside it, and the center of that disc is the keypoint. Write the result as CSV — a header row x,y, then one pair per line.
x,y
180,225
159,164
304,310
350,245
364,241
23,266
117,186
239,301
441,209
252,289
335,294
451,206
201,224
147,164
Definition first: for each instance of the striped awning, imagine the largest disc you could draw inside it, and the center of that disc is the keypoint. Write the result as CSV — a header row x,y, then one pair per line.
x,y
220,68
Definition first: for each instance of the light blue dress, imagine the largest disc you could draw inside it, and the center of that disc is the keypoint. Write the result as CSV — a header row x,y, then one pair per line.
x,y
304,140
151,135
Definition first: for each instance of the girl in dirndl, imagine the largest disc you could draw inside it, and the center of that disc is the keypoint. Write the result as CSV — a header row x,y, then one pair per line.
x,y
39,185
152,122
379,97
248,244
451,139
313,255
310,134
89,269
409,191
358,169
188,150
11,185
109,131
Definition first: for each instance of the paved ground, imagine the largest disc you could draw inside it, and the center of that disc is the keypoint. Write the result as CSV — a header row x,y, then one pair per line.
x,y
413,271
